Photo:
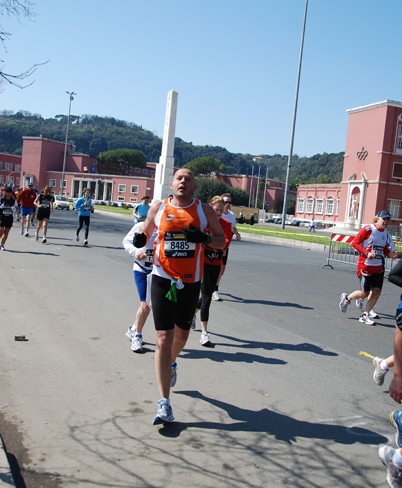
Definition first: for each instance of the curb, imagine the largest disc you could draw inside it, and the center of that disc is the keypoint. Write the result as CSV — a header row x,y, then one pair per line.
x,y
277,241
6,476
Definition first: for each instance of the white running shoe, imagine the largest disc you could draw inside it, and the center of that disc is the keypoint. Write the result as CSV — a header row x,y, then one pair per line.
x,y
26,234
343,304
205,341
216,297
85,243
2,248
136,343
365,319
359,303
379,373
131,331
36,237
164,413
77,238
373,314
394,473
44,240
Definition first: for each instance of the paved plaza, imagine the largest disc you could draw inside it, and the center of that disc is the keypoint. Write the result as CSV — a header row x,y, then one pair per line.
x,y
283,399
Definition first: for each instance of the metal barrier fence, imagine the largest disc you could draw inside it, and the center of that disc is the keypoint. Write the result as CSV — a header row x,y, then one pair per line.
x,y
341,251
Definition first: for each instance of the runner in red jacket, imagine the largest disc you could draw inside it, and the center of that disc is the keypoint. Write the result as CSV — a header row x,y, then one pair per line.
x,y
373,244
26,199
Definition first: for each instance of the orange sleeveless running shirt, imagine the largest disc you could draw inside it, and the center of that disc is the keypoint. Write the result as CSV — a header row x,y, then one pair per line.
x,y
175,257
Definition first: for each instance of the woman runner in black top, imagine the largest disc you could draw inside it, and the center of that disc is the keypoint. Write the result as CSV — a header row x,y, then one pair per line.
x,y
44,203
8,206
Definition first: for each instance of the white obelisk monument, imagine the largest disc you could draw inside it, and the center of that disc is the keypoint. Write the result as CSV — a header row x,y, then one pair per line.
x,y
164,170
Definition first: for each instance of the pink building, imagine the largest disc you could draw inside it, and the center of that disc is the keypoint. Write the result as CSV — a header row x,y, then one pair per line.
x,y
42,163
372,172
274,191
10,170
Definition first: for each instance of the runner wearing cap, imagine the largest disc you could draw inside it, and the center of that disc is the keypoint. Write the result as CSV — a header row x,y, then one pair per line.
x,y
373,244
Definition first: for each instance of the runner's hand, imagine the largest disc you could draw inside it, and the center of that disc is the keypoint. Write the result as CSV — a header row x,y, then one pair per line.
x,y
192,234
139,240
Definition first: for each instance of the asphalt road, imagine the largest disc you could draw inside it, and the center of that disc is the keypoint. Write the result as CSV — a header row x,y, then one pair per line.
x,y
283,399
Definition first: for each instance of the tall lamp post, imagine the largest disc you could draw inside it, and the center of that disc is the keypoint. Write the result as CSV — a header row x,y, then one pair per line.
x,y
66,143
285,200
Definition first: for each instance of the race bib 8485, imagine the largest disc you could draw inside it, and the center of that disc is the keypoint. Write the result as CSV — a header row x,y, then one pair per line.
x,y
176,246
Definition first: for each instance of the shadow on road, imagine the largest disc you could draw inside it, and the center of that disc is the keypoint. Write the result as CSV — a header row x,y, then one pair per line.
x,y
282,427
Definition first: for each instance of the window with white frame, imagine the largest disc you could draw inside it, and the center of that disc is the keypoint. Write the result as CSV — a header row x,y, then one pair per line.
x,y
134,200
394,208
319,205
17,167
121,188
398,139
134,189
1,178
137,170
329,206
1,165
64,183
144,171
8,166
120,199
52,183
300,205
309,206
152,173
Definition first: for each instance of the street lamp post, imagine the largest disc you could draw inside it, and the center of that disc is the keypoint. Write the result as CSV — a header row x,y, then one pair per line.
x,y
66,143
258,185
251,187
265,189
285,200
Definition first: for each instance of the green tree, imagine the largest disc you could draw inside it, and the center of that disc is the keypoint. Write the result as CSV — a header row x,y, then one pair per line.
x,y
207,188
239,197
205,166
124,159
291,206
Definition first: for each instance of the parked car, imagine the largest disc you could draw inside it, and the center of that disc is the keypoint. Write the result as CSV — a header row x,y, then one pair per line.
x,y
61,202
271,220
278,220
295,222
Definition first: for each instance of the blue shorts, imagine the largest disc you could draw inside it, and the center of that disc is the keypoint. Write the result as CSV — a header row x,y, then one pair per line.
x,y
26,211
140,280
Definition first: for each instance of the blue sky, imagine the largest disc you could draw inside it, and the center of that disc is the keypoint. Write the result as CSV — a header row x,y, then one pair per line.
x,y
233,63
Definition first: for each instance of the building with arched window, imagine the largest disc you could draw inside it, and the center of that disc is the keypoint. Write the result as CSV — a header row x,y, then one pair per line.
x,y
372,172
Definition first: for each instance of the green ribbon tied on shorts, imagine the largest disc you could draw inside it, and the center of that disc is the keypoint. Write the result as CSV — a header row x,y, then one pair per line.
x,y
172,293
175,285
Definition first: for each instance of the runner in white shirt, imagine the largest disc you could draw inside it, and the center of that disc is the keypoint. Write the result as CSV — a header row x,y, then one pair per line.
x,y
143,260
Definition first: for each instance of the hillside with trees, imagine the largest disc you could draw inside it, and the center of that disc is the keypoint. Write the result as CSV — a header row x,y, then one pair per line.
x,y
93,135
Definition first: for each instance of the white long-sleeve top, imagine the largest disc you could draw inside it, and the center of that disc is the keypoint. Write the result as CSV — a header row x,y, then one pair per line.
x,y
142,265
